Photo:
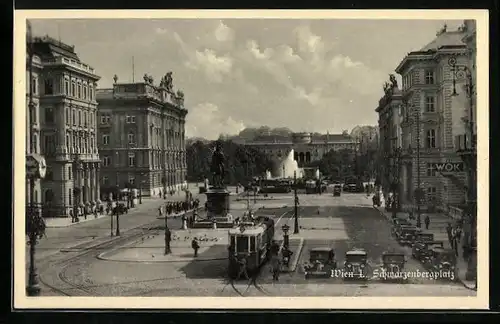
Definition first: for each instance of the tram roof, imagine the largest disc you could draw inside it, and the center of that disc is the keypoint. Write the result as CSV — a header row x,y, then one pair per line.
x,y
249,230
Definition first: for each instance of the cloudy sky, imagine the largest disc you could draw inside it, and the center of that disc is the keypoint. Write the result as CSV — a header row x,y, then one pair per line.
x,y
308,75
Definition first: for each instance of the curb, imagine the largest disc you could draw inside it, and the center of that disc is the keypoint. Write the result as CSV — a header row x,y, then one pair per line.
x,y
178,214
295,262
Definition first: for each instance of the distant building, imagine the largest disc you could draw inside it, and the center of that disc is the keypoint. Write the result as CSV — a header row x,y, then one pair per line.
x,y
64,88
427,101
307,147
142,136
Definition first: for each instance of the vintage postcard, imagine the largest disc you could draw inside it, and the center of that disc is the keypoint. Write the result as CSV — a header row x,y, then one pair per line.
x,y
297,159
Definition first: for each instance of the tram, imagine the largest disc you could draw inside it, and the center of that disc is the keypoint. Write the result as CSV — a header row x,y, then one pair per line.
x,y
249,245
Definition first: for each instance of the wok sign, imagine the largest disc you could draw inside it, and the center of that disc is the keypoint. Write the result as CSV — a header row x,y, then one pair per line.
x,y
448,166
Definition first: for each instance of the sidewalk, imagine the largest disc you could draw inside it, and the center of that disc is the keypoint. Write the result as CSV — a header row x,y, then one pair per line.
x,y
58,222
437,227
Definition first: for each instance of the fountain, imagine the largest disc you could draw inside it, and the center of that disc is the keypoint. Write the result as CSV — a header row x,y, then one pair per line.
x,y
288,166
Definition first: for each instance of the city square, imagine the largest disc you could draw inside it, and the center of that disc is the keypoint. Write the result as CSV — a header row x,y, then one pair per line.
x,y
171,182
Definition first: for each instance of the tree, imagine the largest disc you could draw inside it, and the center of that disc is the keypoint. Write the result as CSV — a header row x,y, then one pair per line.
x,y
241,162
335,164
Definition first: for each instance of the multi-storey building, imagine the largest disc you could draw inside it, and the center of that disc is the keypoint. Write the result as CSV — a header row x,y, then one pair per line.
x,y
33,69
431,117
65,88
142,136
307,147
389,121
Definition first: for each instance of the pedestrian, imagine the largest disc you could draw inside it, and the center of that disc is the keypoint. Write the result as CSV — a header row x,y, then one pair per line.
x,y
160,211
168,239
242,264
459,234
449,230
427,221
275,267
195,246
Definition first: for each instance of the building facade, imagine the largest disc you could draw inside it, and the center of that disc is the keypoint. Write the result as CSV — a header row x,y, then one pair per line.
x,y
65,89
430,119
389,123
307,147
142,136
33,69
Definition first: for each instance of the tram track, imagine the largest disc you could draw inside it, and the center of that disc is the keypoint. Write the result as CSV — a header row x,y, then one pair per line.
x,y
72,289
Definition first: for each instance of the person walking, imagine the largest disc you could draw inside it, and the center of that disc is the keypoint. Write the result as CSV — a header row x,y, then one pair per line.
x,y
427,221
275,267
160,211
449,230
195,246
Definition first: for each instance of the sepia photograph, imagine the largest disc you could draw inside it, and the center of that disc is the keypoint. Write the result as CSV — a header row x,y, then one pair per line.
x,y
231,155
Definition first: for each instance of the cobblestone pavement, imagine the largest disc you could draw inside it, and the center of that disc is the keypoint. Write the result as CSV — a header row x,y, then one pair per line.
x,y
342,223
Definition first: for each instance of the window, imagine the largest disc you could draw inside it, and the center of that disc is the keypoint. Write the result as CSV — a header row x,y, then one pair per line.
x,y
74,117
431,192
69,196
105,119
67,116
79,93
79,118
49,86
131,180
34,143
49,115
105,139
85,121
431,138
70,172
242,243
430,104
68,143
85,91
130,119
131,138
429,77
105,180
73,88
34,85
252,244
431,170
131,159
66,86
106,161
91,92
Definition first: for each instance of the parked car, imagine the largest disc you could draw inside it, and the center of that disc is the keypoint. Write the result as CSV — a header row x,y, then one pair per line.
x,y
355,264
321,262
337,190
393,264
422,250
406,235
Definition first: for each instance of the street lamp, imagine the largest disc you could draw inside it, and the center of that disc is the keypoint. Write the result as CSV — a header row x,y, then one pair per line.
x,y
296,204
286,241
468,154
396,156
117,210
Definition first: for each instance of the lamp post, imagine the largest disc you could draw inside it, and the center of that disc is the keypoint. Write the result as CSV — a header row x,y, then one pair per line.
x,y
296,204
395,183
468,154
35,224
116,207
286,239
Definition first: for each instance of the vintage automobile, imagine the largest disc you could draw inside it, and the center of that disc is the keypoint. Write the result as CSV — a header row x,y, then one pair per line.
x,y
443,260
393,264
355,264
321,263
406,234
421,250
337,190
397,223
424,237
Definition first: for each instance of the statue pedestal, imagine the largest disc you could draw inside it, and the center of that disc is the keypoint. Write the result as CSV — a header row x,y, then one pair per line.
x,y
217,204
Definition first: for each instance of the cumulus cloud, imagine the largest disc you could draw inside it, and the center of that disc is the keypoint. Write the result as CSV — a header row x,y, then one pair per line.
x,y
223,33
214,67
208,121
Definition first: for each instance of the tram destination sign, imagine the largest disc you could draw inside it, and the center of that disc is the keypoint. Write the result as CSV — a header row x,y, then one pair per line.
x,y
448,167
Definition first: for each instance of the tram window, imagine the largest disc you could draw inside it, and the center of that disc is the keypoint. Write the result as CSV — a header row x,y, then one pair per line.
x,y
242,243
252,244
